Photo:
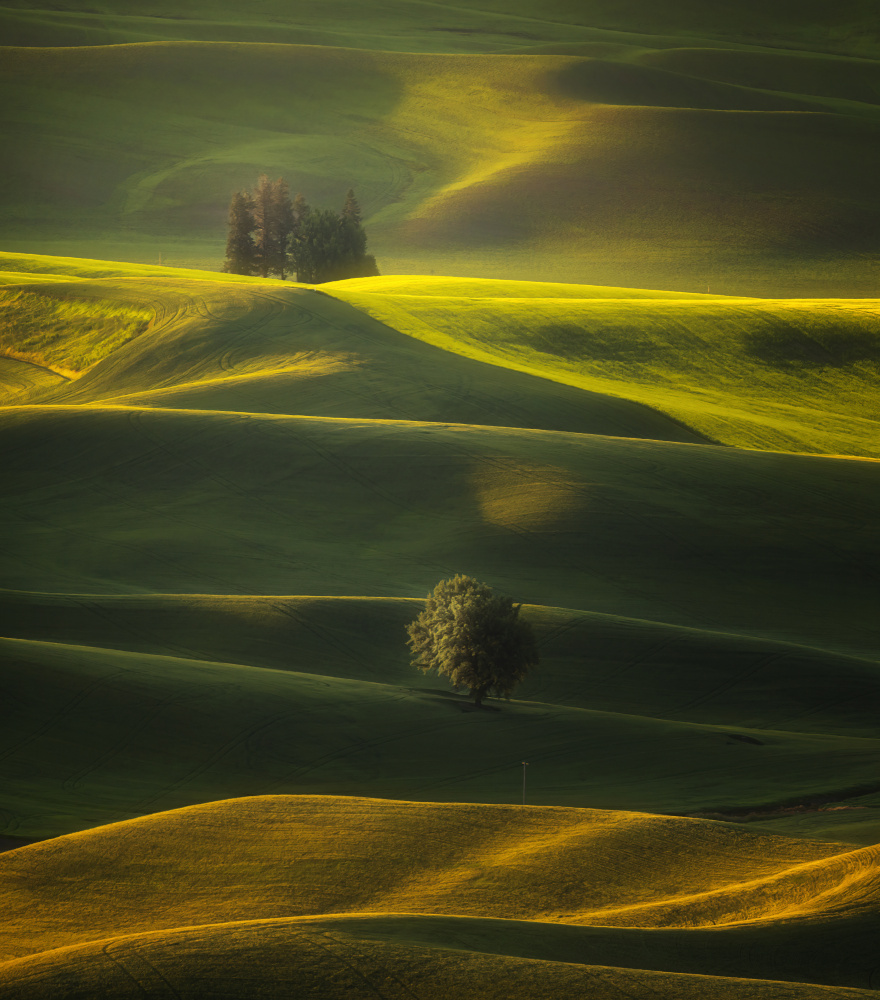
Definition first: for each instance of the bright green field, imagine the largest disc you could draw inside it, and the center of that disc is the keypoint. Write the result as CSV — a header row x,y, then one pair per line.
x,y
787,375
612,144
220,529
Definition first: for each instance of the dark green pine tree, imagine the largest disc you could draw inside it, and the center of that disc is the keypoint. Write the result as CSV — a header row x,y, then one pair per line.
x,y
354,237
298,250
263,213
352,259
241,252
351,210
273,215
285,221
317,247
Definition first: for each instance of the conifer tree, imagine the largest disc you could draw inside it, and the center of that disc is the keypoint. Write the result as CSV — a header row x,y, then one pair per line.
x,y
273,214
263,216
241,253
284,224
299,256
319,245
354,237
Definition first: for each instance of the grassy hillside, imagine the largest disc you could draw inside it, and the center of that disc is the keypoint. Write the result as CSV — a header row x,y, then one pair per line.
x,y
616,145
786,375
102,734
137,500
694,605
409,26
633,667
350,895
224,498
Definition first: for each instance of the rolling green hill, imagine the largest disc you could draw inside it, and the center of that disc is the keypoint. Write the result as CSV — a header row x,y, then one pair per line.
x,y
224,498
610,144
220,528
784,375
416,26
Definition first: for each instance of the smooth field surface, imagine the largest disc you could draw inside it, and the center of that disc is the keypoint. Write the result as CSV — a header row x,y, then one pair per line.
x,y
675,147
239,506
222,502
361,897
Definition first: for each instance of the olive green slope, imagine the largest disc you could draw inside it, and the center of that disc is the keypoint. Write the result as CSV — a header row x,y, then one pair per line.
x,y
351,897
341,959
622,157
412,25
590,660
99,735
114,499
237,442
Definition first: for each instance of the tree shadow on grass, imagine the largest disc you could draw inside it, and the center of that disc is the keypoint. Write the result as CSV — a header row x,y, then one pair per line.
x,y
450,699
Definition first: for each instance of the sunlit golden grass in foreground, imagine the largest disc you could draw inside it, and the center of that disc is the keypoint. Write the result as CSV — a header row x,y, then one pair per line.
x,y
375,880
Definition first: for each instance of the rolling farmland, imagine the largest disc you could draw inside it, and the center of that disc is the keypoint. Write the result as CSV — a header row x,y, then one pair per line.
x,y
216,534
623,365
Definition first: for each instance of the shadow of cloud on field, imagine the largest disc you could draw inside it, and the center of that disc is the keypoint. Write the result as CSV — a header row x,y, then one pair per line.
x,y
788,347
598,343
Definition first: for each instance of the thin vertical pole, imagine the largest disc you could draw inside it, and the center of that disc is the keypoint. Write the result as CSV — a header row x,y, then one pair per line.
x,y
525,764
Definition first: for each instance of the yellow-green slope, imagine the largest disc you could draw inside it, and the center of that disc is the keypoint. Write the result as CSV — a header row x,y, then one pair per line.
x,y
634,161
782,375
692,602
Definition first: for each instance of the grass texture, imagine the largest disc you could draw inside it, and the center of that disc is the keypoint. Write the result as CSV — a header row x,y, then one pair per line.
x,y
223,500
785,375
359,897
618,146
265,482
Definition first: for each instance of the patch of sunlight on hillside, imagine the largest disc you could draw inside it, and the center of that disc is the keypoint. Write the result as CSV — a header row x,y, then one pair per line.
x,y
518,495
778,375
69,334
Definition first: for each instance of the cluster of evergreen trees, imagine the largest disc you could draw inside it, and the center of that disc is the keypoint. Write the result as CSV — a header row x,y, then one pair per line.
x,y
270,234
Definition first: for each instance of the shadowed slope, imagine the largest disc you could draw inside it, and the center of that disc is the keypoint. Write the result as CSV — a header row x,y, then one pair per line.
x,y
589,660
413,25
98,735
271,859
350,959
114,499
270,349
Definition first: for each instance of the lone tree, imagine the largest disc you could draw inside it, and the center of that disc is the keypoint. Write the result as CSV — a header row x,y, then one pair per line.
x,y
474,637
